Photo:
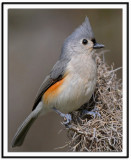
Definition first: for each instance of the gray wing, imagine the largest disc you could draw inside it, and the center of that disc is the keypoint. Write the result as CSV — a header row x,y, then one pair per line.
x,y
55,75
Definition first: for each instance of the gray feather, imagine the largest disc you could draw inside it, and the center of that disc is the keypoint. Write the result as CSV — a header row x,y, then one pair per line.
x,y
44,86
25,126
83,30
87,29
59,68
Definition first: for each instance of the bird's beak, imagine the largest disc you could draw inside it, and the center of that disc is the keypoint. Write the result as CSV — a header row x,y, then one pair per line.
x,y
97,46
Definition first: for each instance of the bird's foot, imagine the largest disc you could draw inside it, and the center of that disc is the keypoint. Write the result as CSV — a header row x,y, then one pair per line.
x,y
94,112
67,117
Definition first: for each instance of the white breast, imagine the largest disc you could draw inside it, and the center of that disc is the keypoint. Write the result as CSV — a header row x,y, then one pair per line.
x,y
78,85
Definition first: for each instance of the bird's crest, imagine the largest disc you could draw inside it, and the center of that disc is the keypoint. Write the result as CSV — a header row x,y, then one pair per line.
x,y
84,29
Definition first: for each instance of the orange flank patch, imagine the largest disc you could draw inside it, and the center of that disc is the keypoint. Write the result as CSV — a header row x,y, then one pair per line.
x,y
52,91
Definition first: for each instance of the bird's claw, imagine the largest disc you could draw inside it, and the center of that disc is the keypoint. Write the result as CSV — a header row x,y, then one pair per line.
x,y
93,113
67,119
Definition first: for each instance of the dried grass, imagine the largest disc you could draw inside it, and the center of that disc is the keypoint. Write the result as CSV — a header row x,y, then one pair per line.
x,y
102,133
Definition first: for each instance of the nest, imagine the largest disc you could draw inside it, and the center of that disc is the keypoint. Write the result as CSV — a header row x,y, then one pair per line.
x,y
101,131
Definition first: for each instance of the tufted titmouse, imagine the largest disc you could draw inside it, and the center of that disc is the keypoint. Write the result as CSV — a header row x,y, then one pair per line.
x,y
70,83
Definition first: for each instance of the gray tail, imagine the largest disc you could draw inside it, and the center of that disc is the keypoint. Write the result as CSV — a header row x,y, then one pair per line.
x,y
25,126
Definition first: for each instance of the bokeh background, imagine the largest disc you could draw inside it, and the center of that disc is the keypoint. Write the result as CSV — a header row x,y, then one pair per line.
x,y
35,39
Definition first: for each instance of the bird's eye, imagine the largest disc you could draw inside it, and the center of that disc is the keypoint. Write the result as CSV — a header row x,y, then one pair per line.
x,y
84,41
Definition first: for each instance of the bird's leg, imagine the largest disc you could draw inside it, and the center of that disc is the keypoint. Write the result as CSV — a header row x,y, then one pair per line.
x,y
66,117
94,112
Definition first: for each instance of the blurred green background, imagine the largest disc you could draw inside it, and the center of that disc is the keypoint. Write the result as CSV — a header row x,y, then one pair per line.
x,y
35,40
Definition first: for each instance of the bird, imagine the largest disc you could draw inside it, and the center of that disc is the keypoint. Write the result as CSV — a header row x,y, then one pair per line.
x,y
70,83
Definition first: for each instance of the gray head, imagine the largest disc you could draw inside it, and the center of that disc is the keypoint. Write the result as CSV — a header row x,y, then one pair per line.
x,y
81,41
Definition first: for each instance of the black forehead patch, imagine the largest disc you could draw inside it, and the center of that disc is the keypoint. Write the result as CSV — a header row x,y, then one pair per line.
x,y
93,40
